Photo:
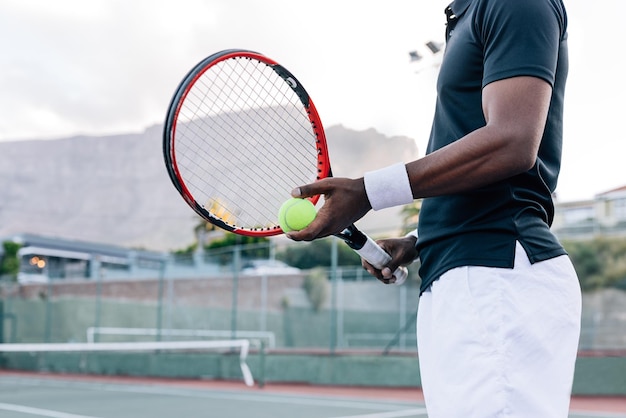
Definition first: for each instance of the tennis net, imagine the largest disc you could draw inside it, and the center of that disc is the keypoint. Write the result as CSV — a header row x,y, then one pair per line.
x,y
242,346
268,337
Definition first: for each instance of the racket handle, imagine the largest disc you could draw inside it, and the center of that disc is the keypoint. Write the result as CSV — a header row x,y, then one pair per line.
x,y
378,257
370,251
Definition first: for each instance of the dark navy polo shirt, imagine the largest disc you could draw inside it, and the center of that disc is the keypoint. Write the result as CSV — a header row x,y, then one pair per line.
x,y
490,40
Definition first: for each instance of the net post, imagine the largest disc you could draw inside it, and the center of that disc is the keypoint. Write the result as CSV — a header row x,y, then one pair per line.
x,y
244,346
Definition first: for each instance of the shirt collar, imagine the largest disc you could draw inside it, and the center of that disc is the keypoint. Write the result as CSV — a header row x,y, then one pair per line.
x,y
459,7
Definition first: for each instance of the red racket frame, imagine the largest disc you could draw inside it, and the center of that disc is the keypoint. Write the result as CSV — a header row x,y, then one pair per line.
x,y
169,134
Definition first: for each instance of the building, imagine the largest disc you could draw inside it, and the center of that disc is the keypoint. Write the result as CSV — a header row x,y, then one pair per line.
x,y
46,258
605,215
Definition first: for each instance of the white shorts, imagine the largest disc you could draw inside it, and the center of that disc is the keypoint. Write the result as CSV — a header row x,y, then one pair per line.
x,y
496,342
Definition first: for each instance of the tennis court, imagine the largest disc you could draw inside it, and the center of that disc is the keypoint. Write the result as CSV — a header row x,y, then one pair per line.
x,y
69,396
69,349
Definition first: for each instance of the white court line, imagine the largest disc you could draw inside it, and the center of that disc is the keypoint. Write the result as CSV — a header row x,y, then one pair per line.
x,y
596,414
392,414
38,411
422,411
276,398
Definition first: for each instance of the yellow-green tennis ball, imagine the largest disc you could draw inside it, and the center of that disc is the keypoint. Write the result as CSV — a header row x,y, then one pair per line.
x,y
296,214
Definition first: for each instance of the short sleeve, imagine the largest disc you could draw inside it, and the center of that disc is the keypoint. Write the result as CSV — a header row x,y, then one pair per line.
x,y
520,38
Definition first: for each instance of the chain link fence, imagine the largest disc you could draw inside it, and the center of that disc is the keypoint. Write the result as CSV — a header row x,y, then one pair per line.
x,y
226,294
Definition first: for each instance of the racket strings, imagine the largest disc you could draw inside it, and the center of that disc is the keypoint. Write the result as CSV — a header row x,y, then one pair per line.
x,y
206,101
243,141
277,91
265,98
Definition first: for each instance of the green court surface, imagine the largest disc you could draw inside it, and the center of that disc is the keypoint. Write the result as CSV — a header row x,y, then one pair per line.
x,y
23,396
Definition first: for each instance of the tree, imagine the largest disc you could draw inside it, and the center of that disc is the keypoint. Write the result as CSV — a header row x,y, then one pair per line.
x,y
318,253
251,247
410,215
599,263
212,239
10,265
316,287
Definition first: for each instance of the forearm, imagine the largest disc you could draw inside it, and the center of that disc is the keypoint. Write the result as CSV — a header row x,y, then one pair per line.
x,y
515,113
484,156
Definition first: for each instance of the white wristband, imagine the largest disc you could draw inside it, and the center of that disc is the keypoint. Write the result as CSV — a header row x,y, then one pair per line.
x,y
388,187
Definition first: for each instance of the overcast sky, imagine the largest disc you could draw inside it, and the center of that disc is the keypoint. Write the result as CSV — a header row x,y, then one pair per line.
x,y
100,67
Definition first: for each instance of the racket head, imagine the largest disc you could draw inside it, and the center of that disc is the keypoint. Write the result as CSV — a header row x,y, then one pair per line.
x,y
240,133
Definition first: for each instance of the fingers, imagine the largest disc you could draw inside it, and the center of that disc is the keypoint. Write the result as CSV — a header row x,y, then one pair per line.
x,y
384,275
403,253
310,190
311,232
345,202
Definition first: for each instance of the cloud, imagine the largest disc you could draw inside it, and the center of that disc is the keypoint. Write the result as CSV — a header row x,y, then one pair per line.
x,y
110,66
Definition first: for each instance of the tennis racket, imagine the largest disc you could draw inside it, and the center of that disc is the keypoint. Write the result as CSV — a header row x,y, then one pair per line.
x,y
240,133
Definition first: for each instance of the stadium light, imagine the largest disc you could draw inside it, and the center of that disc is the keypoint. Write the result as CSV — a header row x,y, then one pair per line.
x,y
427,57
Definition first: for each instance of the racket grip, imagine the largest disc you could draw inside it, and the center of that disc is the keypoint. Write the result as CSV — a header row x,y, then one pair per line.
x,y
378,257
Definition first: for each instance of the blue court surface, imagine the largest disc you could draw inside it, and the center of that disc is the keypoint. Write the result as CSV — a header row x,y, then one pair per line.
x,y
32,395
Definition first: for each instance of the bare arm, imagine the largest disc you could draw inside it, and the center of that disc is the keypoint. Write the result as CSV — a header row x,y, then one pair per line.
x,y
515,111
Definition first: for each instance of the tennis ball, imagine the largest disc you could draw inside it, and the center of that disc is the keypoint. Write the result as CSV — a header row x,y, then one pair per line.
x,y
296,214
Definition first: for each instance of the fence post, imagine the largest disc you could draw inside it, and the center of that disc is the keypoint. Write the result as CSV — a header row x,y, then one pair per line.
x,y
48,312
261,377
98,271
263,318
1,323
236,270
402,312
2,359
159,318
333,297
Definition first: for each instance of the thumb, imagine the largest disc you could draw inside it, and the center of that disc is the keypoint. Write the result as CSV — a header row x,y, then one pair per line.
x,y
309,190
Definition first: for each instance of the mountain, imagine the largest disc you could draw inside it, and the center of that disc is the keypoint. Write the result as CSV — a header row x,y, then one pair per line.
x,y
115,189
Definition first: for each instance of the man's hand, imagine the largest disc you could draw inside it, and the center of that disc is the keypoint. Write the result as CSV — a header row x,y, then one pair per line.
x,y
345,202
402,252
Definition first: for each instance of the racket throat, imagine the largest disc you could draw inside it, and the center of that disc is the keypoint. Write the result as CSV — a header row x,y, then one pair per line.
x,y
354,238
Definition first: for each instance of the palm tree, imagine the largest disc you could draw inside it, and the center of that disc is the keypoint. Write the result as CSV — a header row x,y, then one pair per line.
x,y
410,215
